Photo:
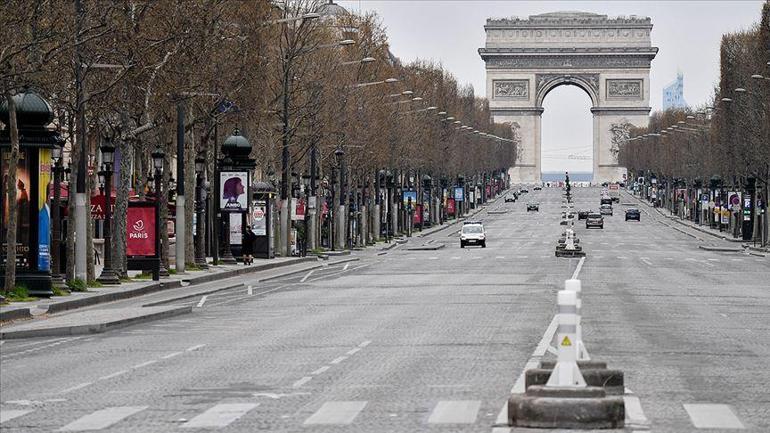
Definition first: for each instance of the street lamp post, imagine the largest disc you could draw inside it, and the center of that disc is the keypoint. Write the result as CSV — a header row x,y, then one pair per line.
x,y
56,277
108,275
200,206
339,156
158,160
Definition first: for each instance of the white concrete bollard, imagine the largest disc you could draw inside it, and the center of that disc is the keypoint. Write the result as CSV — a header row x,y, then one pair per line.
x,y
575,286
569,241
566,372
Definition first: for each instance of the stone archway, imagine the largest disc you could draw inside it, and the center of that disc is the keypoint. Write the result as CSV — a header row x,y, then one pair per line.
x,y
608,58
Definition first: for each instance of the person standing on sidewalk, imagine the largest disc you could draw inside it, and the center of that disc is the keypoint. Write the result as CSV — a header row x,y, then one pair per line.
x,y
249,239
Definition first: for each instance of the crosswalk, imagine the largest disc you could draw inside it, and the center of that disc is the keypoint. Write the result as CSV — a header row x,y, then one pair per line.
x,y
341,413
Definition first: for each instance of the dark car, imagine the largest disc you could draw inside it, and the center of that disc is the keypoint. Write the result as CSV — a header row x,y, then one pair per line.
x,y
524,191
583,214
533,207
633,214
594,220
606,200
537,188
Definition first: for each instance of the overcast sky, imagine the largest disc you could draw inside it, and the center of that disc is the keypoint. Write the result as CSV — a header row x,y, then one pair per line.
x,y
686,32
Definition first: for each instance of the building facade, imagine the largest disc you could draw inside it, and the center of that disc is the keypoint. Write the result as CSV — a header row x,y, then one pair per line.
x,y
673,94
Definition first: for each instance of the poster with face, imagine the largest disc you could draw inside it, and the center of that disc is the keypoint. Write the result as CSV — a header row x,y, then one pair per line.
x,y
233,195
23,235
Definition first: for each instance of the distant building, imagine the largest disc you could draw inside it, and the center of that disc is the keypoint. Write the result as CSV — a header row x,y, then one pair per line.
x,y
673,94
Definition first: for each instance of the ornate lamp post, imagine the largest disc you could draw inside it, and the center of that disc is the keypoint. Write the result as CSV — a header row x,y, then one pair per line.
x,y
56,155
200,206
339,156
108,275
158,160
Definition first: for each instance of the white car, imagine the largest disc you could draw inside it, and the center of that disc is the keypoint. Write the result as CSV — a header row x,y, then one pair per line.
x,y
473,234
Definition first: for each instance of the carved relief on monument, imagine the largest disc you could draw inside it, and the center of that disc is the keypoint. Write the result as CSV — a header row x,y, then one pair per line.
x,y
624,88
518,89
573,62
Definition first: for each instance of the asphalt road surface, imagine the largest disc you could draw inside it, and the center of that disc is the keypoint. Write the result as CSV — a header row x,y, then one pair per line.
x,y
423,340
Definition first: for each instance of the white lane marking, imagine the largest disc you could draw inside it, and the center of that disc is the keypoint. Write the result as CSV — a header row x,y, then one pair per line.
x,y
433,258
7,415
353,351
534,360
345,268
35,349
76,387
455,412
338,360
634,413
171,355
336,412
320,370
144,364
622,257
202,301
194,348
455,258
309,273
498,257
647,261
578,268
250,290
365,343
102,418
301,382
713,416
737,260
220,415
116,374
713,260
2,342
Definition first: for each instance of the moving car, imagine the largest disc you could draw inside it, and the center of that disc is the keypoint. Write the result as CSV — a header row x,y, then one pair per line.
x,y
537,188
606,200
594,220
633,214
583,214
473,233
606,209
533,206
524,190
510,198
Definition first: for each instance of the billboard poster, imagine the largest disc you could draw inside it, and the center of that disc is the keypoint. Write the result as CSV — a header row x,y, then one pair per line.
x,y
232,191
23,253
236,228
140,231
43,212
410,197
458,193
297,209
450,206
734,199
417,218
259,217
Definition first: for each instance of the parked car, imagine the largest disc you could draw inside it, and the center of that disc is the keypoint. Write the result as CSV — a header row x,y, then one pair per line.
x,y
606,209
583,214
473,233
533,207
595,220
633,214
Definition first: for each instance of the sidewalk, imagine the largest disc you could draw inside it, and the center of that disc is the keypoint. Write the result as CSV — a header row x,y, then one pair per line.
x,y
713,233
57,304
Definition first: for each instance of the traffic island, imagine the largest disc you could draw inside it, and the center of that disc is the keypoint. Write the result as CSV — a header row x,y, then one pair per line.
x,y
566,407
601,377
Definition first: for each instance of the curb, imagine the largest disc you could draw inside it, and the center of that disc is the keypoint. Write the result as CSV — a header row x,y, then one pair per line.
x,y
93,328
721,249
71,304
427,248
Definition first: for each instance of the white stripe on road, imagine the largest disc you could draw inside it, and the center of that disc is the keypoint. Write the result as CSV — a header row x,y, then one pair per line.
x,y
220,415
338,360
353,351
365,343
171,355
455,412
320,370
202,301
144,364
102,418
713,416
578,268
309,273
433,258
646,260
301,382
76,387
250,290
336,412
194,348
345,268
116,374
7,415
634,413
498,257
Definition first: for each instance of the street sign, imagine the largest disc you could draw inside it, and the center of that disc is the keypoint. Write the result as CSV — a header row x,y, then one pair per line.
x,y
459,193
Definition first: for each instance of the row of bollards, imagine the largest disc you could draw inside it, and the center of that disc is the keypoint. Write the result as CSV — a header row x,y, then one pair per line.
x,y
568,244
574,392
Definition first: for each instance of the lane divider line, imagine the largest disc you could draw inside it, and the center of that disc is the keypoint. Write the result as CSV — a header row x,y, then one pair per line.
x,y
116,374
302,381
307,275
194,348
171,355
202,301
320,370
338,360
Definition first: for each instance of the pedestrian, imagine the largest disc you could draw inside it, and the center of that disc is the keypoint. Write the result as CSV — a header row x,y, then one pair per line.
x,y
249,239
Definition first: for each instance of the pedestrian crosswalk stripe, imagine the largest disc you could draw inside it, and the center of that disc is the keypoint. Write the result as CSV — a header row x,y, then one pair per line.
x,y
7,415
102,418
713,416
455,412
336,412
220,415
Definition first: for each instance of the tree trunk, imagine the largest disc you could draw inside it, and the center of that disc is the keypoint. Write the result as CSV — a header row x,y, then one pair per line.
x,y
119,262
70,271
162,196
189,191
10,233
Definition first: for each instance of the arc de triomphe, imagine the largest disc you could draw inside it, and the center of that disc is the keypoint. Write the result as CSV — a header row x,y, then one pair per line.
x,y
609,58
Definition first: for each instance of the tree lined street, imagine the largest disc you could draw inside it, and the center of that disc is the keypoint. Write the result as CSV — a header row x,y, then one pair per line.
x,y
417,340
